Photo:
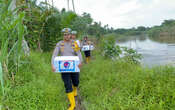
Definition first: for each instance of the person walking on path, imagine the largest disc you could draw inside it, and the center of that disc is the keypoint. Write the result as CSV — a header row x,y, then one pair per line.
x,y
67,47
87,52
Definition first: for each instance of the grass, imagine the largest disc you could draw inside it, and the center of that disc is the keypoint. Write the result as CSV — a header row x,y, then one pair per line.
x,y
36,87
11,34
104,85
108,85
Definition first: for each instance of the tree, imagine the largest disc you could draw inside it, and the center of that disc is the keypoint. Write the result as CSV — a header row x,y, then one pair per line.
x,y
141,28
73,5
168,22
82,23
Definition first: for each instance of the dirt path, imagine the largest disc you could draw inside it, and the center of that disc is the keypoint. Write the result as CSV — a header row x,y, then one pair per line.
x,y
79,102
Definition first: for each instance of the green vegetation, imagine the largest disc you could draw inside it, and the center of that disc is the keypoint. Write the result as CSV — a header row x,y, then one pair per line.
x,y
109,85
27,82
132,31
120,85
44,24
35,87
40,25
11,35
110,50
165,29
163,33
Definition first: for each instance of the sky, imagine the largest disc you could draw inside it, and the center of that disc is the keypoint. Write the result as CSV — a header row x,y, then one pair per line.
x,y
124,13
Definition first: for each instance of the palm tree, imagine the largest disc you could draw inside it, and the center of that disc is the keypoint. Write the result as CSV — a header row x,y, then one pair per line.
x,y
68,5
52,4
73,5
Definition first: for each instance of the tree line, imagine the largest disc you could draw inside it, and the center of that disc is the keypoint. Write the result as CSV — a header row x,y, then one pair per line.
x,y
44,23
166,29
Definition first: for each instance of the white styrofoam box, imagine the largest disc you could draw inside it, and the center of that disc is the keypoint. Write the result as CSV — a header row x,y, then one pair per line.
x,y
91,47
65,64
87,47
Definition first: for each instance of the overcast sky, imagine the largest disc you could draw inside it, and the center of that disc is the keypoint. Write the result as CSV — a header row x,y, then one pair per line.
x,y
124,13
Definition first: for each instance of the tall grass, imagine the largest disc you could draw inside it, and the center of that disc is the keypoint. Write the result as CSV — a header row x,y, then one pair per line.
x,y
11,33
104,85
36,87
1,79
108,85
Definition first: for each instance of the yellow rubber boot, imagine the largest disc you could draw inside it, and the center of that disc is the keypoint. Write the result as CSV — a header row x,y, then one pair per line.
x,y
87,59
75,91
71,100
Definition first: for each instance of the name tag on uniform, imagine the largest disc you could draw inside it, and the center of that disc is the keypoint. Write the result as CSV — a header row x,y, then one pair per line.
x,y
87,47
65,64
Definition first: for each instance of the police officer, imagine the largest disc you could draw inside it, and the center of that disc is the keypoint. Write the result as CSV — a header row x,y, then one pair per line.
x,y
67,47
73,36
88,52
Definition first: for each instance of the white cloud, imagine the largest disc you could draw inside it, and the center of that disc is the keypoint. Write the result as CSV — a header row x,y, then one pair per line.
x,y
125,13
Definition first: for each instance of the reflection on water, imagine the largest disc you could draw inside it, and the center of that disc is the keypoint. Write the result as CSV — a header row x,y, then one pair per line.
x,y
164,39
154,53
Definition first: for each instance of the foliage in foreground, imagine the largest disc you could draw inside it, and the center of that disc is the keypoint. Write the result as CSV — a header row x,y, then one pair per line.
x,y
12,31
35,87
104,85
108,85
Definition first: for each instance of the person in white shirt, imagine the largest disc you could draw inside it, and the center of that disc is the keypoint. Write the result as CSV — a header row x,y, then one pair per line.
x,y
87,52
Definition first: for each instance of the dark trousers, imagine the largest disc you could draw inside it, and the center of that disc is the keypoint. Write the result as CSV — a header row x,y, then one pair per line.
x,y
87,53
70,79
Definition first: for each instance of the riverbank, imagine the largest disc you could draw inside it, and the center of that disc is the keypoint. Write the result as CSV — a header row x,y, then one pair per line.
x,y
104,85
108,85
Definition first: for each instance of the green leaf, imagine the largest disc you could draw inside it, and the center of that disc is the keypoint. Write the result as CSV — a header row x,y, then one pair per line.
x,y
1,78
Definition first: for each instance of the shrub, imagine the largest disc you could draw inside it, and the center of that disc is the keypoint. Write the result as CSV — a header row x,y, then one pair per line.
x,y
113,51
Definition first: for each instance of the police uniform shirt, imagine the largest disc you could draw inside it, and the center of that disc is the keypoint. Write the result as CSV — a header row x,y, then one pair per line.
x,y
65,50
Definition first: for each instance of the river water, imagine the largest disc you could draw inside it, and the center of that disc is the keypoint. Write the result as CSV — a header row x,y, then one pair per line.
x,y
154,53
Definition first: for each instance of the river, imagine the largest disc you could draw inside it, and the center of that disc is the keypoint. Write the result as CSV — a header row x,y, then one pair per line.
x,y
154,53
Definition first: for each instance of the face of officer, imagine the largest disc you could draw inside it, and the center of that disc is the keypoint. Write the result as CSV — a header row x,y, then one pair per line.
x,y
73,36
67,36
85,38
